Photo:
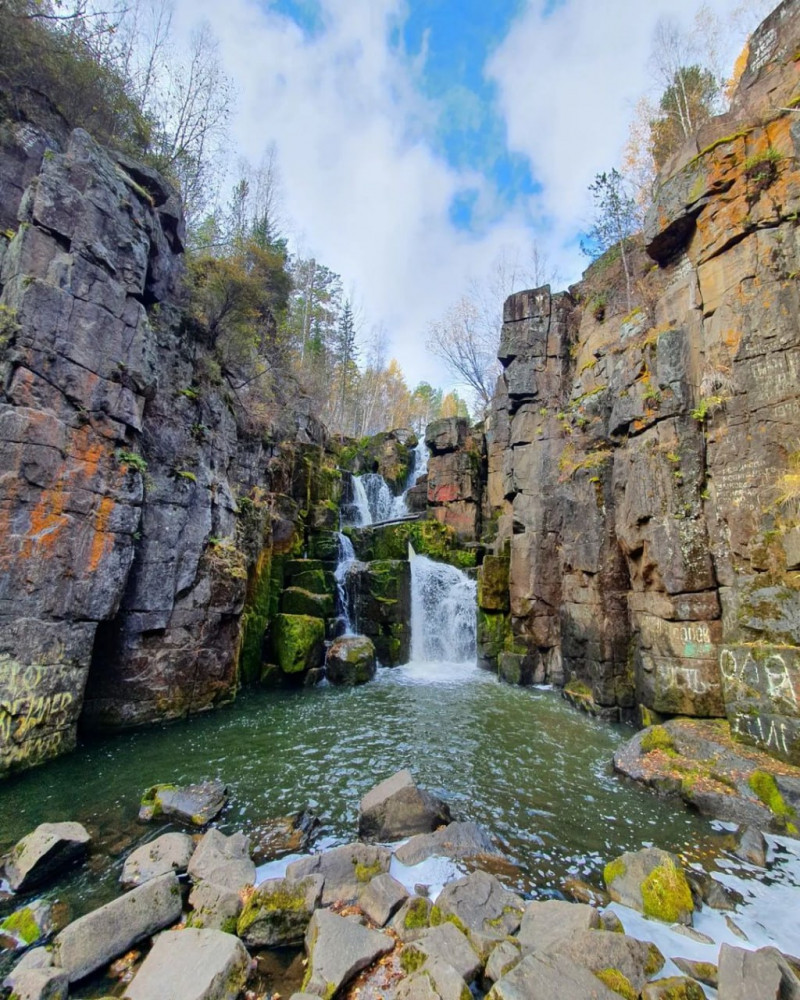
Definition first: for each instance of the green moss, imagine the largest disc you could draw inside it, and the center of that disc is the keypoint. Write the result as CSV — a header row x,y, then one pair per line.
x,y
678,988
366,873
270,903
298,642
229,925
578,689
255,618
766,788
617,982
411,960
657,738
437,918
655,961
150,799
22,925
613,870
666,894
417,915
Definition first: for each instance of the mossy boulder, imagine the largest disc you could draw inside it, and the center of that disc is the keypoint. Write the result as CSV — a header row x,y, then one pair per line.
x,y
278,912
493,584
350,660
296,601
382,607
673,988
314,581
652,882
29,924
324,545
298,642
428,538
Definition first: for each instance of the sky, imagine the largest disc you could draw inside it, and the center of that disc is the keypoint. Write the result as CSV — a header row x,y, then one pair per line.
x,y
419,139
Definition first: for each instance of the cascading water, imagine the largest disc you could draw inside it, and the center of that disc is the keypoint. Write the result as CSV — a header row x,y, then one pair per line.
x,y
347,558
443,616
373,500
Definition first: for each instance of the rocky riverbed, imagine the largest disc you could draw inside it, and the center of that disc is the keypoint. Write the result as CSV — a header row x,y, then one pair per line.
x,y
436,914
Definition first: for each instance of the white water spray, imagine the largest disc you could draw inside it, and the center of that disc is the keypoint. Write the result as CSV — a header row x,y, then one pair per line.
x,y
443,618
347,559
373,500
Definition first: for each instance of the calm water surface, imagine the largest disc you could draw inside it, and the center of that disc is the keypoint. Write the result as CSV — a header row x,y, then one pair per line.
x,y
521,762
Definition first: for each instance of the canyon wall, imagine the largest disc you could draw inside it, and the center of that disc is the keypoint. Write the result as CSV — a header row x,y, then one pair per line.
x,y
644,454
145,516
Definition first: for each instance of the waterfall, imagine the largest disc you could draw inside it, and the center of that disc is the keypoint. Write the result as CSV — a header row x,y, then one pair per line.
x,y
373,500
347,558
443,617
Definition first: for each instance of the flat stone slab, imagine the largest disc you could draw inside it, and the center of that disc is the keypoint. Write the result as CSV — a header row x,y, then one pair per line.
x,y
398,808
548,922
192,964
483,905
44,852
597,950
195,804
339,948
545,977
90,942
347,870
456,840
214,907
278,913
223,860
171,852
446,943
755,975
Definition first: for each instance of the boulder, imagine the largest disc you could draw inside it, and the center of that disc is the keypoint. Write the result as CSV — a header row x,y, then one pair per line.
x,y
673,988
273,838
39,984
171,852
350,660
195,804
502,959
278,913
756,975
397,808
445,980
223,860
94,939
542,977
214,907
620,956
547,923
298,601
444,943
382,898
652,882
28,925
49,849
298,642
412,919
704,972
751,846
192,964
459,841
347,870
339,948
488,910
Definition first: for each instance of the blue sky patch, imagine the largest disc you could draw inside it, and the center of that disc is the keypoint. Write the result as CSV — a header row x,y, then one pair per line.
x,y
307,14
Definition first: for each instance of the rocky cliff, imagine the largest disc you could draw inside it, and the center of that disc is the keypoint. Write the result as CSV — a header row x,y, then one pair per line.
x,y
643,457
145,517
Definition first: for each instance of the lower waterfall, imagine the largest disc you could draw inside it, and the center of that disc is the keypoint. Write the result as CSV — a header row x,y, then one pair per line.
x,y
443,613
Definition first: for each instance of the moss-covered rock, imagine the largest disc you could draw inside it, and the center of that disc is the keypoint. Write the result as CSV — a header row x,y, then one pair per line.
x,y
296,601
674,988
493,584
350,660
315,581
324,545
428,538
277,914
652,882
298,642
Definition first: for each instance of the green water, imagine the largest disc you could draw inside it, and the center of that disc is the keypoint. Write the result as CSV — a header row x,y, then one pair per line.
x,y
530,769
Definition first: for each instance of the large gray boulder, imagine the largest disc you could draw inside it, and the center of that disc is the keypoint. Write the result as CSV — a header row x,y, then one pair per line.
x,y
488,910
39,984
347,870
194,804
546,923
436,980
339,948
214,907
599,951
223,860
382,898
192,964
171,852
444,943
90,942
755,975
456,840
278,913
544,977
504,956
412,919
49,849
652,882
398,808
350,660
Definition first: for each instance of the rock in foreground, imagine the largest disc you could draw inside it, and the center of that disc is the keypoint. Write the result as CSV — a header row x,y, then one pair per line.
x,y
350,660
652,882
195,804
337,949
169,853
398,808
192,965
50,848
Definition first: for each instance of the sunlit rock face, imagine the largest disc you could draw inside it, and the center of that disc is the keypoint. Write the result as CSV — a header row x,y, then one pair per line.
x,y
642,456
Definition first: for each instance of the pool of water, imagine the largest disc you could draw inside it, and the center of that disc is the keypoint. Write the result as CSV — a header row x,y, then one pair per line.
x,y
533,771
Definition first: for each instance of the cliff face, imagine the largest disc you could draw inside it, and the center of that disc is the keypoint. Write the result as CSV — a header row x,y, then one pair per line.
x,y
643,462
140,511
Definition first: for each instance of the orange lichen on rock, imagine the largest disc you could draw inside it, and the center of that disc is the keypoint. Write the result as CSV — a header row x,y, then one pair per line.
x,y
103,540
